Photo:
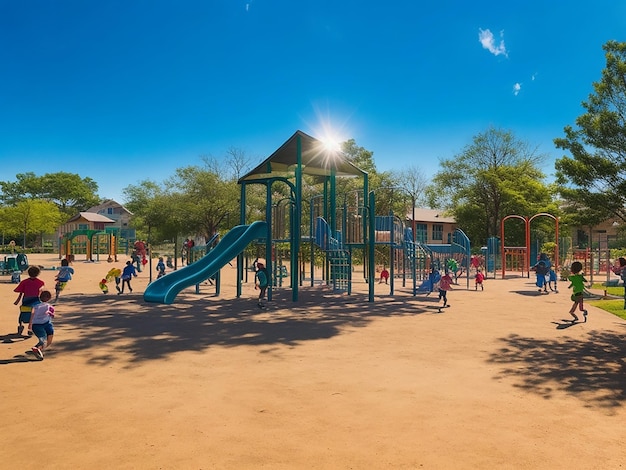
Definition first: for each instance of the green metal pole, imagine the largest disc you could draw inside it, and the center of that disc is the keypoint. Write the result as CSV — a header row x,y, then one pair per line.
x,y
333,201
295,237
268,236
242,220
372,234
364,217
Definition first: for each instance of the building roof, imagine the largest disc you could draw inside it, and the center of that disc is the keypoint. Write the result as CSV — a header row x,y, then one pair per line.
x,y
430,215
108,203
91,217
316,160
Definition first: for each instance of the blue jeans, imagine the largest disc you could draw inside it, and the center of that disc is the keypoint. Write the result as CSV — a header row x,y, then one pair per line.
x,y
42,331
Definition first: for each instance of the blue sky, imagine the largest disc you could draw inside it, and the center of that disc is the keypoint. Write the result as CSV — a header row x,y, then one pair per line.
x,y
123,91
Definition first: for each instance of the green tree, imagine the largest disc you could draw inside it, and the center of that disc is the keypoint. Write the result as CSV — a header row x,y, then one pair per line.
x,y
197,200
381,182
206,200
497,175
592,181
32,217
156,212
68,191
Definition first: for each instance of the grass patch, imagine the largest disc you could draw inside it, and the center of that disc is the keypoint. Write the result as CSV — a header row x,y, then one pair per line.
x,y
614,306
618,291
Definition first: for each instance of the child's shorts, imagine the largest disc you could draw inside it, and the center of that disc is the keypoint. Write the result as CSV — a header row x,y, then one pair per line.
x,y
25,312
577,297
60,285
27,308
43,330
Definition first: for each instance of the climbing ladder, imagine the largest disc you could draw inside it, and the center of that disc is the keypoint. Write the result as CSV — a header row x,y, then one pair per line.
x,y
339,259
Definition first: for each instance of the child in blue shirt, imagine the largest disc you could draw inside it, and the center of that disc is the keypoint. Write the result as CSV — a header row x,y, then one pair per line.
x,y
127,274
63,277
160,267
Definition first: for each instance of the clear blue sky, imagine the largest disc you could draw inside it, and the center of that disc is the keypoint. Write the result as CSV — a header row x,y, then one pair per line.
x,y
126,90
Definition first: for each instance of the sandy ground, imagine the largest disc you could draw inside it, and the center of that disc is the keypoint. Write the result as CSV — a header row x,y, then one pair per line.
x,y
498,380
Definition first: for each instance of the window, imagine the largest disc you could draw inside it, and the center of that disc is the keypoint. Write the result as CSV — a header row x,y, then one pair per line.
x,y
421,233
110,210
437,232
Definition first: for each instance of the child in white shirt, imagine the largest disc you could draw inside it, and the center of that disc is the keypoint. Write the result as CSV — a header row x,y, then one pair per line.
x,y
41,323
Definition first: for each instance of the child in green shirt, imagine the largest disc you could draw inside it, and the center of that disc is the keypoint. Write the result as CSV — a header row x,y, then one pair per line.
x,y
577,284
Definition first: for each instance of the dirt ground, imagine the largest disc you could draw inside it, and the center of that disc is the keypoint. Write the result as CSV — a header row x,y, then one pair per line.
x,y
498,380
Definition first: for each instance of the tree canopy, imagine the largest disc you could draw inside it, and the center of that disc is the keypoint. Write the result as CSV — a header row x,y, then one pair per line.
x,y
592,180
68,191
195,200
495,176
30,217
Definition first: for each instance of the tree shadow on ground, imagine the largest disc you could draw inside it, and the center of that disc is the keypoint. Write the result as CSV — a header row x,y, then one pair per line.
x,y
592,369
126,325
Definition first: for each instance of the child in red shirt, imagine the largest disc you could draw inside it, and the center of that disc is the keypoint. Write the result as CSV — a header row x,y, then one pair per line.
x,y
384,276
445,284
479,278
28,291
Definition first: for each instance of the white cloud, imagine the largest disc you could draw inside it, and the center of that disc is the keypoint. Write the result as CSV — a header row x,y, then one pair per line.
x,y
488,42
517,88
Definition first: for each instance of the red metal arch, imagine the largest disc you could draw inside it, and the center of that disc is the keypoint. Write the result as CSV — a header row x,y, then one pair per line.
x,y
527,221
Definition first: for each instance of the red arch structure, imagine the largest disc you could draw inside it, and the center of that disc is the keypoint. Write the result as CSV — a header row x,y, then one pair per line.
x,y
527,222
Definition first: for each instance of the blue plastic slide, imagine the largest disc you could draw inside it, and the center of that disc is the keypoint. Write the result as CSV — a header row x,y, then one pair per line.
x,y
165,289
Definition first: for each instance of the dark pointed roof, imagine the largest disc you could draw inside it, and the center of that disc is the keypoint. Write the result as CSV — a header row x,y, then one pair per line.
x,y
316,160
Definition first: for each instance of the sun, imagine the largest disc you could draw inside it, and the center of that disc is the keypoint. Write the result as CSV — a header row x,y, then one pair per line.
x,y
331,144
326,130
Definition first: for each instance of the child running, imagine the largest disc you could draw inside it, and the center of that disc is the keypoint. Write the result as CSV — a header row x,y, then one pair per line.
x,y
63,277
261,282
28,291
127,274
160,267
552,280
384,276
40,323
114,274
445,284
479,278
577,284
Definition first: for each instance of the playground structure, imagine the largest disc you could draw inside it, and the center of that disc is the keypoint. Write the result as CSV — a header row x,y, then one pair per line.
x,y
519,257
336,232
90,243
14,264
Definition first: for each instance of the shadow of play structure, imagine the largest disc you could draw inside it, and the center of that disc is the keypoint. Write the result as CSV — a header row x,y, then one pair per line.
x,y
335,232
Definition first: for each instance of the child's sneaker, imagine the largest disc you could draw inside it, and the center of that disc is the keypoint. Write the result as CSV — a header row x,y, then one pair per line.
x,y
20,330
38,352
